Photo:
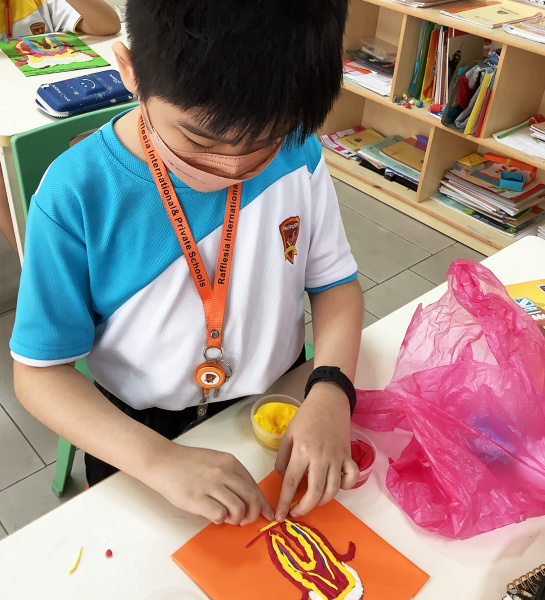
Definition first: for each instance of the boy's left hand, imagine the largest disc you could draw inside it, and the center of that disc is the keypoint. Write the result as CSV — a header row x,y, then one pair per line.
x,y
316,444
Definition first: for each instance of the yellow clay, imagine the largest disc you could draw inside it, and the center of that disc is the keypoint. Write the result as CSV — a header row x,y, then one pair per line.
x,y
274,417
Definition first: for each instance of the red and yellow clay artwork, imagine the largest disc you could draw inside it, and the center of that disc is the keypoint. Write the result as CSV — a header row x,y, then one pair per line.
x,y
306,558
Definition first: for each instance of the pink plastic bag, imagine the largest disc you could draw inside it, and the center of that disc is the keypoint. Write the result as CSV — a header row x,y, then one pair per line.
x,y
469,382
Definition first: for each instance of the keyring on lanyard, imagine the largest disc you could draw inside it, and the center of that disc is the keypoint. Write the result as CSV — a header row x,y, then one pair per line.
x,y
211,374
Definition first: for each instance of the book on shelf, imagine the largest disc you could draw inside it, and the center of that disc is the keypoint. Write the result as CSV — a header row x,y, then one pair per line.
x,y
348,141
482,115
537,131
529,227
473,187
491,14
520,137
426,94
530,296
407,152
441,56
422,3
373,153
357,73
426,27
533,29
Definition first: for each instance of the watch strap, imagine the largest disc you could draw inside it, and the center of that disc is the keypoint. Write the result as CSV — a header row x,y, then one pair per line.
x,y
335,375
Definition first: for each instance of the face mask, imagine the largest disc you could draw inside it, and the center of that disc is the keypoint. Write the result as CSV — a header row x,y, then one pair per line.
x,y
207,172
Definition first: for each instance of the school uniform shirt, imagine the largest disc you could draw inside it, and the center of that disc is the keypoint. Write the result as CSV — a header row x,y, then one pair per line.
x,y
104,275
36,17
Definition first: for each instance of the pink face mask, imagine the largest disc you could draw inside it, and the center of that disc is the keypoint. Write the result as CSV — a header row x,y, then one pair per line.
x,y
206,172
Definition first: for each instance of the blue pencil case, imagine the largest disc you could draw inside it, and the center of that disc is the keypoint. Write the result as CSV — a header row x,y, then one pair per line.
x,y
81,94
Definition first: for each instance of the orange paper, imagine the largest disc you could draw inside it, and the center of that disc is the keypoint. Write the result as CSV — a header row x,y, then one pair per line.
x,y
220,561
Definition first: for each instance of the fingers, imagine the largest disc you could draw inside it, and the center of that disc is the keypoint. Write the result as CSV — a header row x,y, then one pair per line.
x,y
293,475
349,474
316,485
242,503
284,454
332,486
233,505
255,501
212,510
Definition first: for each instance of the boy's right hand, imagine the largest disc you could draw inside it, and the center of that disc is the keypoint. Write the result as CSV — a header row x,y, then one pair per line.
x,y
209,483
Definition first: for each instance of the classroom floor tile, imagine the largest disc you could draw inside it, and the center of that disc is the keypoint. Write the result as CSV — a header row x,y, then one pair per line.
x,y
434,269
42,439
365,282
32,497
17,457
395,221
379,253
396,292
10,270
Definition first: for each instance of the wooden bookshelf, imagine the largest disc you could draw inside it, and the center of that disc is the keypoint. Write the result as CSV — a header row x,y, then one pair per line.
x,y
518,93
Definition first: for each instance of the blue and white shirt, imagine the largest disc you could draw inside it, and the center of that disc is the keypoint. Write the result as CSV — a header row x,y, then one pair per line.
x,y
104,275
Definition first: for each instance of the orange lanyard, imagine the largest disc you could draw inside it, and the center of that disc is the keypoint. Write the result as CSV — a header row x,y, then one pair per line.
x,y
9,22
213,298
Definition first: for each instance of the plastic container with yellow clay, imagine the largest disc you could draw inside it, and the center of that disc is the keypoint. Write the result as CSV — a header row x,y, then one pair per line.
x,y
274,414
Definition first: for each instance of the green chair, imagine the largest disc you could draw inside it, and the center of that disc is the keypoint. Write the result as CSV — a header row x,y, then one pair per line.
x,y
33,152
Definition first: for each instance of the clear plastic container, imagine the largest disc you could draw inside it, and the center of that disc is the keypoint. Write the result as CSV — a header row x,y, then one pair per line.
x,y
356,434
264,438
379,49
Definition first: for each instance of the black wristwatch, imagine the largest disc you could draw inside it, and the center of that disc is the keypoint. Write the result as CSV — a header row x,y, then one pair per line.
x,y
335,375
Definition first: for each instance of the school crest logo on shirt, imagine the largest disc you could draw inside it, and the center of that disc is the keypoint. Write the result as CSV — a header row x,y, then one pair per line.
x,y
289,230
37,28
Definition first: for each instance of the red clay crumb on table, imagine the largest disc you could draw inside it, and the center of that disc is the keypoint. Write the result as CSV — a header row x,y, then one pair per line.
x,y
109,553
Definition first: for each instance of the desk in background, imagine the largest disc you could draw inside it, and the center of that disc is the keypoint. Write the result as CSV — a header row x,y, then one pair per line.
x,y
19,113
143,529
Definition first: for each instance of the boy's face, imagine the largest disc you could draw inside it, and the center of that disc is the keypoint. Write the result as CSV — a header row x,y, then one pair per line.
x,y
183,131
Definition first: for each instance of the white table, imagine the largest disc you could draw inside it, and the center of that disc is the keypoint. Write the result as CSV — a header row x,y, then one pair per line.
x,y
18,114
143,529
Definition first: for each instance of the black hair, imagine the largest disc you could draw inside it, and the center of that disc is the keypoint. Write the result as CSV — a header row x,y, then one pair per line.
x,y
244,66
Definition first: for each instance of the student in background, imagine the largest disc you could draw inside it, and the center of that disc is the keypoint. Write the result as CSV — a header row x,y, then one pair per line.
x,y
105,276
36,17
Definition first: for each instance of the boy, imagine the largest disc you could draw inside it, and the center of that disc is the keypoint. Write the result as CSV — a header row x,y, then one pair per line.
x,y
35,17
117,270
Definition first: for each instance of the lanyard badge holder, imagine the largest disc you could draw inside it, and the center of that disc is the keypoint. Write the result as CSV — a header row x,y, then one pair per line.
x,y
211,374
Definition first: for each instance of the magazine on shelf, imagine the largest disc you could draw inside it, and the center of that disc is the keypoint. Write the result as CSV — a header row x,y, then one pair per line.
x,y
528,228
491,14
373,153
520,137
356,72
533,29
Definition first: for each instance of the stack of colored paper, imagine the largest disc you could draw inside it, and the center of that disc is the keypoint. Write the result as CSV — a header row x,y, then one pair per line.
x,y
356,71
534,29
348,141
527,137
473,187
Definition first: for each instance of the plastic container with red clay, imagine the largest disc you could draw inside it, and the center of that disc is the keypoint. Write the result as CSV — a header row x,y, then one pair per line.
x,y
364,453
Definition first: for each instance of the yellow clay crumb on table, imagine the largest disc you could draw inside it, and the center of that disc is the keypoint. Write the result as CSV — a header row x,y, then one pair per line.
x,y
274,417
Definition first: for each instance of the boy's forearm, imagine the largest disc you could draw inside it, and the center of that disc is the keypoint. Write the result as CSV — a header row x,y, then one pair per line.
x,y
337,319
97,17
69,404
